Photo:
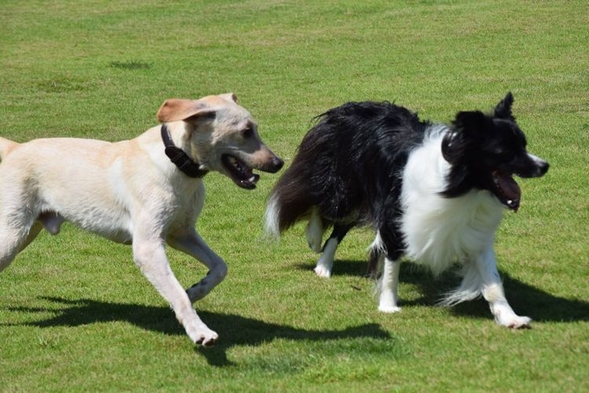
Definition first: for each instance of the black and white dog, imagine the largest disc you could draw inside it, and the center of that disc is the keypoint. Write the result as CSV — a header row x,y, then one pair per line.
x,y
432,192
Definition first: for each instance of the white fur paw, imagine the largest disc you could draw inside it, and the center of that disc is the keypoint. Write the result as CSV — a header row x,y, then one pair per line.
x,y
389,309
322,271
516,322
388,304
505,316
204,336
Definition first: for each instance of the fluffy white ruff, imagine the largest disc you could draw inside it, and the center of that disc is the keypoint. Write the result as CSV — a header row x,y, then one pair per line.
x,y
440,231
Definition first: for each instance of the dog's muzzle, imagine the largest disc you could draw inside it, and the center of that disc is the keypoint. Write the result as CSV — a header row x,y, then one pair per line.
x,y
242,174
275,165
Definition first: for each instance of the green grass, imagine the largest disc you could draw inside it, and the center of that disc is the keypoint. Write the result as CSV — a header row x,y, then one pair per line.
x,y
76,314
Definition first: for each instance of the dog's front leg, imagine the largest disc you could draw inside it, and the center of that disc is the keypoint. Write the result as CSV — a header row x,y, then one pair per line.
x,y
493,292
150,256
192,244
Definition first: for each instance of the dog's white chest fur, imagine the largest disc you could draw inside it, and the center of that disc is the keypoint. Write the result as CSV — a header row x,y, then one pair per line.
x,y
440,231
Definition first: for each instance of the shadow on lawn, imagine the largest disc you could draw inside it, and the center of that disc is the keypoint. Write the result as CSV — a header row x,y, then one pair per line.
x,y
524,298
233,330
236,330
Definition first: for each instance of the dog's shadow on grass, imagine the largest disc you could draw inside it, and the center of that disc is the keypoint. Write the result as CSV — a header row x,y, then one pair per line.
x,y
525,299
236,330
233,330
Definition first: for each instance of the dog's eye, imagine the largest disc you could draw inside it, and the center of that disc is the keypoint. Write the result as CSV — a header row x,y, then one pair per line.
x,y
503,153
247,132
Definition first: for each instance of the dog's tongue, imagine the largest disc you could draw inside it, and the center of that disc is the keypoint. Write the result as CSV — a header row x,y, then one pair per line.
x,y
509,189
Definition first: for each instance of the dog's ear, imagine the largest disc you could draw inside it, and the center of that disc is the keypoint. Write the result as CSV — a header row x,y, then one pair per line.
x,y
471,121
230,97
503,108
465,126
176,109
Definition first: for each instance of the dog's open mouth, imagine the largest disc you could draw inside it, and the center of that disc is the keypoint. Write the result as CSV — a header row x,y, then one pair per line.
x,y
506,189
239,172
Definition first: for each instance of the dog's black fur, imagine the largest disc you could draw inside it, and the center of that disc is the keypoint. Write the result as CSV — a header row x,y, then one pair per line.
x,y
350,164
351,170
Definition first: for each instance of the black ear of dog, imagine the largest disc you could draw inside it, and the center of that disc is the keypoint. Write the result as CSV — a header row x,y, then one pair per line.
x,y
470,121
503,108
465,128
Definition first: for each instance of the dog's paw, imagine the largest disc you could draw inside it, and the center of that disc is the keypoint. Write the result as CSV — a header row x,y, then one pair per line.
x,y
204,336
389,309
517,322
207,339
322,271
505,316
511,320
388,302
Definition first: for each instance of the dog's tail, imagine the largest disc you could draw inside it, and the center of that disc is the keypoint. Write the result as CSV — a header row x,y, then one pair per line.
x,y
306,182
291,199
288,202
6,146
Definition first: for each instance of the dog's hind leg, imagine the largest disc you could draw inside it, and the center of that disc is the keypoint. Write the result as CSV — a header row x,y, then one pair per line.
x,y
15,235
372,266
18,208
388,285
192,244
325,263
388,254
150,255
33,233
10,244
314,231
52,225
12,241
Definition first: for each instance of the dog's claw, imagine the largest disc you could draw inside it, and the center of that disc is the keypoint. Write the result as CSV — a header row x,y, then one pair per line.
x,y
206,343
513,321
521,323
202,335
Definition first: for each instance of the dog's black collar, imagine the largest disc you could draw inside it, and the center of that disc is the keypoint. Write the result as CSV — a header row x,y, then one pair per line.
x,y
179,157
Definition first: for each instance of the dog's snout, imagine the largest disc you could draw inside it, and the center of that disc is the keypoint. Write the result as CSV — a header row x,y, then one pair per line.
x,y
266,161
544,168
276,164
533,167
541,167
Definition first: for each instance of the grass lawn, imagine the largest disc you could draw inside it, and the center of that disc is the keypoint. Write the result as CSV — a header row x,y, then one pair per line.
x,y
76,314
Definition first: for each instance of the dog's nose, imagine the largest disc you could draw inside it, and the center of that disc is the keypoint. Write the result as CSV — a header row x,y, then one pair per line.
x,y
537,167
277,164
544,168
